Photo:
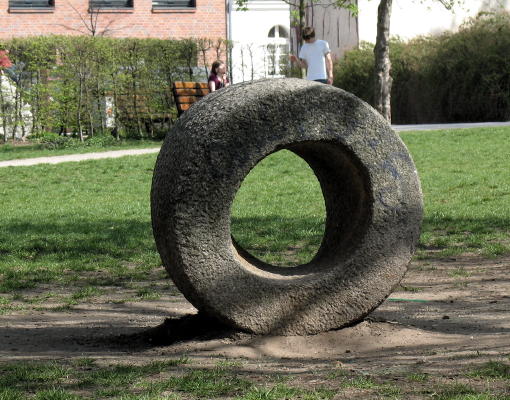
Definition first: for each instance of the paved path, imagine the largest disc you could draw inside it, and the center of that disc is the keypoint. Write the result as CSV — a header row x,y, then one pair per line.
x,y
76,157
122,153
435,127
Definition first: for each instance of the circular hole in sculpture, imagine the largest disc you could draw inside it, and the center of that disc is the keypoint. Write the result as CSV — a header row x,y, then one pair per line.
x,y
278,214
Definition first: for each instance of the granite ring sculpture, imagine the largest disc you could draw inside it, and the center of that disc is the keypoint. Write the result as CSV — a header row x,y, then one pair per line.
x,y
370,187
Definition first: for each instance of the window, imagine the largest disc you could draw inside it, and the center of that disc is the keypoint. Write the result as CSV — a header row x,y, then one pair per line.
x,y
162,4
277,50
100,4
36,4
277,32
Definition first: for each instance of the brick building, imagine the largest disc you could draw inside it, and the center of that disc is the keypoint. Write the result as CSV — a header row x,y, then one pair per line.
x,y
114,18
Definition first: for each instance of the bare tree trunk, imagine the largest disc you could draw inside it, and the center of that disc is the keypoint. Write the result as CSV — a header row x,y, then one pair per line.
x,y
204,45
115,109
20,115
250,52
217,47
136,109
78,111
99,105
302,21
17,101
242,61
89,107
91,121
3,109
36,104
229,47
383,80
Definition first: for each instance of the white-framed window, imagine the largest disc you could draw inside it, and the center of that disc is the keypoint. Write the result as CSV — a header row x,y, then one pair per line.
x,y
277,50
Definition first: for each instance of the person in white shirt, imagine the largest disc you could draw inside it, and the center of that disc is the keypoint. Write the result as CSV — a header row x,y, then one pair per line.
x,y
315,57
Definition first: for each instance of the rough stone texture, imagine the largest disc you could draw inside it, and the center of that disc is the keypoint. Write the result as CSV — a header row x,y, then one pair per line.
x,y
370,186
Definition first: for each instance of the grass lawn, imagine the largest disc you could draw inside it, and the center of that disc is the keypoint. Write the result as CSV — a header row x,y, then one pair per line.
x,y
62,222
181,378
87,222
465,176
8,151
80,227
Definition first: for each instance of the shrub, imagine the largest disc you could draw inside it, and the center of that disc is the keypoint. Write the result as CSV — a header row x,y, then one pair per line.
x,y
67,80
101,141
50,140
453,77
354,72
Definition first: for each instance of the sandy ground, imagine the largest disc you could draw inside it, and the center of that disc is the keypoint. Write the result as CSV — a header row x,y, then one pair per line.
x,y
445,314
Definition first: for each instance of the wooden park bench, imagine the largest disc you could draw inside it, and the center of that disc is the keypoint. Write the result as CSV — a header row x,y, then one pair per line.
x,y
137,109
187,93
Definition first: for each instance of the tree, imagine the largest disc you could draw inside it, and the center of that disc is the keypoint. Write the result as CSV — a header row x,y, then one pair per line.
x,y
382,77
91,23
382,70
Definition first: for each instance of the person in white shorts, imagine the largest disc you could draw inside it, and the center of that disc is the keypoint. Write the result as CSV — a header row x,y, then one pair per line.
x,y
315,57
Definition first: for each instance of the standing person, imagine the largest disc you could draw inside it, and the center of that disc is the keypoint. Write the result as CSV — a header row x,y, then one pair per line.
x,y
315,57
218,78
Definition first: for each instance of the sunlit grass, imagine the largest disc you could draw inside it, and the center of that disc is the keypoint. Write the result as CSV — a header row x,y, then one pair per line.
x,y
465,177
88,223
63,223
278,213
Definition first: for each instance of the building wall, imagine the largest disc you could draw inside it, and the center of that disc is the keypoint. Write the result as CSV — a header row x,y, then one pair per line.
x,y
413,18
249,32
207,20
335,25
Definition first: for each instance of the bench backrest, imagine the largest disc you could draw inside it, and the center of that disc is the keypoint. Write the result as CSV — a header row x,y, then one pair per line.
x,y
187,93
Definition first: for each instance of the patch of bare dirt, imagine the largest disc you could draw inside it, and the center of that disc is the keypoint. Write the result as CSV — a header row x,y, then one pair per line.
x,y
446,314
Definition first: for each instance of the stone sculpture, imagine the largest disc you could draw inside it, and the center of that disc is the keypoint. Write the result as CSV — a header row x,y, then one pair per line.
x,y
370,186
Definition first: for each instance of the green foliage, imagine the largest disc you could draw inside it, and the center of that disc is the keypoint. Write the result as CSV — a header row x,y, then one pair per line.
x,y
452,77
493,369
67,81
460,391
354,72
53,141
278,213
50,140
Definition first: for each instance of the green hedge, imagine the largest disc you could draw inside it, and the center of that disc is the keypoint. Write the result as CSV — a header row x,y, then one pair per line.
x,y
453,77
66,80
